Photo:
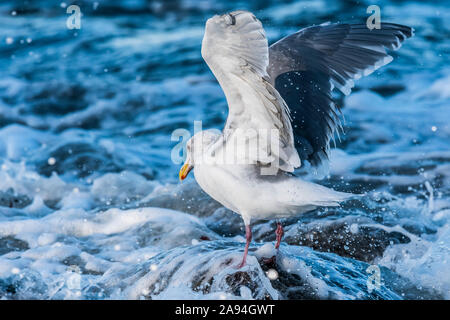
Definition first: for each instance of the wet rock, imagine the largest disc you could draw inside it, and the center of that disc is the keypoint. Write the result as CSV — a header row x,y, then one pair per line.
x,y
307,274
209,270
12,200
78,158
9,243
347,239
388,90
28,285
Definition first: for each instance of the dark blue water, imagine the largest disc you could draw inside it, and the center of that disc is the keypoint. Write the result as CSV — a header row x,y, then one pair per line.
x,y
86,118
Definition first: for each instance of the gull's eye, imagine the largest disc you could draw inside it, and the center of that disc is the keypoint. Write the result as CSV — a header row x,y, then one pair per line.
x,y
230,19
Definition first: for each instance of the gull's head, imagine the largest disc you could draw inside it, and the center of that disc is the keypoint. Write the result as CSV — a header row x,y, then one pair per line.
x,y
196,147
237,34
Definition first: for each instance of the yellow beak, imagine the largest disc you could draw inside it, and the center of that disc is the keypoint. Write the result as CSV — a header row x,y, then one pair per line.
x,y
184,171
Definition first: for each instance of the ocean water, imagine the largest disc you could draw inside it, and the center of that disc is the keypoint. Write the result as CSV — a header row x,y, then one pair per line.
x,y
90,204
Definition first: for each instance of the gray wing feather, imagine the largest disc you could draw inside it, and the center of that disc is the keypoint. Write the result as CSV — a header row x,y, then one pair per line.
x,y
306,66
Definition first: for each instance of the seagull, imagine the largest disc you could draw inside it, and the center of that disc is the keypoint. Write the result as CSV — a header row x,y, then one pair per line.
x,y
281,112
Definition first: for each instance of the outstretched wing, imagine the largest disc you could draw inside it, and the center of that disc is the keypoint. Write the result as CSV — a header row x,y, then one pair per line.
x,y
258,128
305,67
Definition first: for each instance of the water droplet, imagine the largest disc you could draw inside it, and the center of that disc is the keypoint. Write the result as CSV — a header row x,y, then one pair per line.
x,y
272,274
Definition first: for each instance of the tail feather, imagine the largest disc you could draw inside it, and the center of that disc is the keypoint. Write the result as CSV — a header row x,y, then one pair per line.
x,y
324,197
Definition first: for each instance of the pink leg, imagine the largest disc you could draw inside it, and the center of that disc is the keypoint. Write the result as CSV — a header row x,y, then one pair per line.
x,y
248,237
279,232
